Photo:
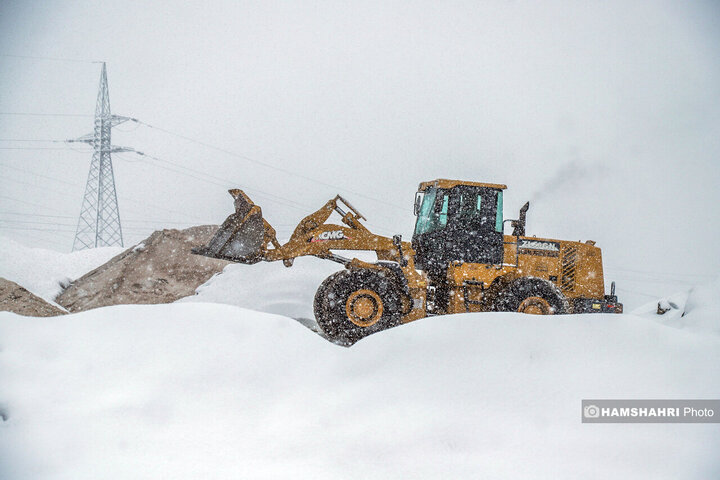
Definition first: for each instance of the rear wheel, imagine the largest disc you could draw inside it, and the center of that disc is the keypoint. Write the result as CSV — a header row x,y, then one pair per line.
x,y
531,295
535,306
353,304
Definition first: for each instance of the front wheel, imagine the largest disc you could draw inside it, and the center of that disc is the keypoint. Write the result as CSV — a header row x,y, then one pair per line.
x,y
353,304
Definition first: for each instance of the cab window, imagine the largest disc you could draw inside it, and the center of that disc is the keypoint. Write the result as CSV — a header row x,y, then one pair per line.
x,y
499,214
425,211
433,212
470,204
442,215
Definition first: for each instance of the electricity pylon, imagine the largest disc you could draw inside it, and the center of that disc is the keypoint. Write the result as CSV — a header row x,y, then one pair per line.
x,y
99,222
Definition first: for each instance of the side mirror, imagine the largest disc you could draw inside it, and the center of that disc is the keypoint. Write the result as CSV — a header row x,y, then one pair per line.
x,y
418,201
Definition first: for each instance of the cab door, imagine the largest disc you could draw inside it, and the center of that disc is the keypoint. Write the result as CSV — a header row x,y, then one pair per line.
x,y
476,228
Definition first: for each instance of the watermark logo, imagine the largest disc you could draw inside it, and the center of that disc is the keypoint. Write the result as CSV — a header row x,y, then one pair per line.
x,y
591,411
651,411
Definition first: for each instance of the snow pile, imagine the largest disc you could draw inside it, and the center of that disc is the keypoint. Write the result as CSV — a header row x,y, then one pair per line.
x,y
190,390
702,310
697,310
673,307
268,287
44,272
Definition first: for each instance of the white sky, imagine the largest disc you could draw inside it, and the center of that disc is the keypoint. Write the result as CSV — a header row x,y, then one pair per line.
x,y
605,114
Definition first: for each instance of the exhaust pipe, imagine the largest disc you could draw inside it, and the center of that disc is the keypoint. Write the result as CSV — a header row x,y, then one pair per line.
x,y
519,224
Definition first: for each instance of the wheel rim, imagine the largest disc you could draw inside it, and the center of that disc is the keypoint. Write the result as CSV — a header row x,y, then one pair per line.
x,y
364,308
535,306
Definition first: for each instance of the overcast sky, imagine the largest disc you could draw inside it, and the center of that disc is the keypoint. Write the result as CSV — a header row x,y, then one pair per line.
x,y
605,114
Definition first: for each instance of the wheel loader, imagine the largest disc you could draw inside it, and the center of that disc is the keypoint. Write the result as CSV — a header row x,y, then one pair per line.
x,y
459,260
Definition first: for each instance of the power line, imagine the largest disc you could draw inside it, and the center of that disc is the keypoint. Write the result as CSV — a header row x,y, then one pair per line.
x,y
38,223
29,203
199,142
208,178
25,223
272,197
131,200
51,237
30,140
38,148
66,194
43,188
71,230
25,214
56,59
37,229
32,114
244,157
267,165
39,175
211,179
35,222
145,204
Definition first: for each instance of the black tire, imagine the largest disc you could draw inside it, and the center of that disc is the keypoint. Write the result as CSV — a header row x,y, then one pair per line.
x,y
353,304
320,304
536,293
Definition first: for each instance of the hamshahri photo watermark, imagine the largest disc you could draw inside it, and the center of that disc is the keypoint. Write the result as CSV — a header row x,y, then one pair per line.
x,y
650,411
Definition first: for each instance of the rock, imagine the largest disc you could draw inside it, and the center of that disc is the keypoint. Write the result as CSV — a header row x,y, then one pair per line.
x,y
16,299
159,269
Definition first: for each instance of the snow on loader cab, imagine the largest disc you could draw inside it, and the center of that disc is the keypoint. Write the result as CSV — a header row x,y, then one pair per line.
x,y
459,261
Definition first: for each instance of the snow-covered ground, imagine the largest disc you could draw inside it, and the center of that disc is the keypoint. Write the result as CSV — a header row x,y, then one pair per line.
x,y
194,390
268,287
697,309
197,389
43,271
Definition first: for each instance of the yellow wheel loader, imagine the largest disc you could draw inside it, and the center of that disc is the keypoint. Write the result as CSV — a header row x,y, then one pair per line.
x,y
459,261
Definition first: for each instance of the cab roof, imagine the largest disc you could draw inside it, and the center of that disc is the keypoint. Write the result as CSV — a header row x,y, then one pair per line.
x,y
446,184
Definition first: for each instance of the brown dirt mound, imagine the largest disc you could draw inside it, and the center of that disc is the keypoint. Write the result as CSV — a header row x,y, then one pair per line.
x,y
16,299
159,270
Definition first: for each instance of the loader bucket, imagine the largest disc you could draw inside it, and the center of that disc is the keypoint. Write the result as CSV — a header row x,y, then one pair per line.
x,y
241,236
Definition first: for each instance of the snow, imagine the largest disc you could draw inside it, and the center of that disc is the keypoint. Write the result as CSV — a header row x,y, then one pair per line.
x,y
269,287
696,309
702,310
194,390
198,389
44,271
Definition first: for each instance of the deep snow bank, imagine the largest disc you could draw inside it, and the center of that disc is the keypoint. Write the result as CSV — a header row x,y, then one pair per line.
x,y
697,310
43,271
213,391
268,287
702,310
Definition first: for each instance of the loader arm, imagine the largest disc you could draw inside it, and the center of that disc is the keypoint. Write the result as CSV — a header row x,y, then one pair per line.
x,y
246,237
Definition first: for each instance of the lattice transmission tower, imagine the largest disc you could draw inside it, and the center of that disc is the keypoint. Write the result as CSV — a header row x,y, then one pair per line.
x,y
99,222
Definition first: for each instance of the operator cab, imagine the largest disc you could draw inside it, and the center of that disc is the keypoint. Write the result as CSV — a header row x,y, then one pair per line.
x,y
457,221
